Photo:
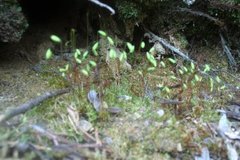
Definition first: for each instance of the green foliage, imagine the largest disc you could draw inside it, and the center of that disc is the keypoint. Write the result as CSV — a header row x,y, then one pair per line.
x,y
79,63
128,10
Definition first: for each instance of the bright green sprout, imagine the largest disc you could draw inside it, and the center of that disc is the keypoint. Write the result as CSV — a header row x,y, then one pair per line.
x,y
192,66
77,53
152,50
206,68
163,64
102,33
110,40
185,86
130,47
56,39
121,57
172,60
94,48
197,78
92,63
181,71
142,44
166,89
85,54
218,79
211,84
85,72
48,54
78,60
185,69
151,59
112,54
140,73
173,77
151,69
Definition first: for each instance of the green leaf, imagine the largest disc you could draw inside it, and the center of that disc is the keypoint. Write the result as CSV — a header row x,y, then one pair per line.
x,y
56,39
185,69
185,86
218,79
102,33
152,50
85,72
66,67
197,78
142,44
166,89
223,87
173,77
48,54
88,67
211,84
62,70
77,53
110,40
151,59
206,68
124,55
151,69
130,47
112,54
181,71
85,54
92,63
121,57
192,66
163,64
95,46
95,53
140,73
172,60
78,60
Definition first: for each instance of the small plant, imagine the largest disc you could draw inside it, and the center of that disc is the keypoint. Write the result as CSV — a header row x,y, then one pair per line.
x,y
78,65
115,59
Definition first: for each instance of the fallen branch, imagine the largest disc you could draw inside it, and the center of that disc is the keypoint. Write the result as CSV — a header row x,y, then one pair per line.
x,y
201,14
30,104
103,5
224,6
154,38
227,51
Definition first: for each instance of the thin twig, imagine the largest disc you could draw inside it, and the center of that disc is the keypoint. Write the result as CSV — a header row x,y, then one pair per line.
x,y
103,5
227,51
155,38
201,14
31,104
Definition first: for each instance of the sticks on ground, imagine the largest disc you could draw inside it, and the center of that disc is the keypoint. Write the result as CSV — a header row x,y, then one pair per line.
x,y
154,38
31,104
201,14
103,5
227,51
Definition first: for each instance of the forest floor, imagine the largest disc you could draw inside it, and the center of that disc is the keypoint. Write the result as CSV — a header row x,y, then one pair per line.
x,y
157,117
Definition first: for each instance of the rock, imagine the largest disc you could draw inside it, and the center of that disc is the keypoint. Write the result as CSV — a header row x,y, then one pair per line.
x,y
160,112
12,21
94,100
85,125
114,110
107,140
124,98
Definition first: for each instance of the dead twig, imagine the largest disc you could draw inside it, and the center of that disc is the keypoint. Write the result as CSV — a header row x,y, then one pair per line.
x,y
201,14
154,38
227,51
103,5
30,104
